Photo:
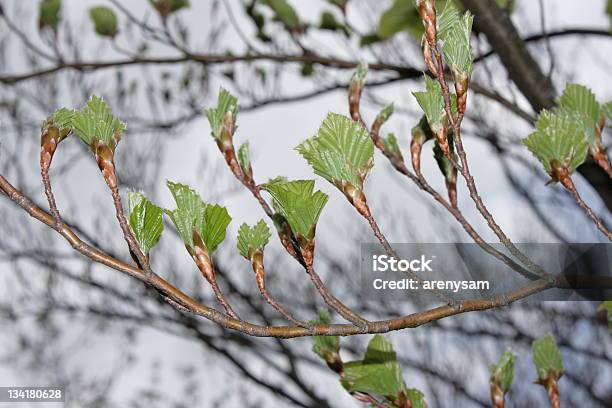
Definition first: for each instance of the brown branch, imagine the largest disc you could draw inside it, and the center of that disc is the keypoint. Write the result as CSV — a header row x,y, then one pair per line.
x,y
168,290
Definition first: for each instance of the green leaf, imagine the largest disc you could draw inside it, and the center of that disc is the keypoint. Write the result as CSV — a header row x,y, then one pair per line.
x,y
391,145
251,239
402,16
340,152
359,76
226,104
244,158
416,398
607,306
63,120
369,39
95,121
104,20
580,103
432,103
502,373
296,201
385,113
557,138
329,22
146,221
167,7
456,46
192,214
448,19
547,358
446,167
49,13
378,373
324,346
284,13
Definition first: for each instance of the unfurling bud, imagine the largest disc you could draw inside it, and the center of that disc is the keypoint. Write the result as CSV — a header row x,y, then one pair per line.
x,y
599,155
441,137
284,234
428,57
257,264
355,89
104,158
427,12
419,137
356,198
225,143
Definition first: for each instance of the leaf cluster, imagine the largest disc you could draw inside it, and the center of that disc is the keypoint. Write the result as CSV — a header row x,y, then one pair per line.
x,y
252,239
227,104
146,221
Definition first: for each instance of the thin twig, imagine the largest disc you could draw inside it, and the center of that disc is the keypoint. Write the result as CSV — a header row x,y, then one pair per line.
x,y
568,183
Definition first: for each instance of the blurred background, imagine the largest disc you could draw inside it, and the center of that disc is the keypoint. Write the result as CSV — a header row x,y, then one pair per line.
x,y
115,343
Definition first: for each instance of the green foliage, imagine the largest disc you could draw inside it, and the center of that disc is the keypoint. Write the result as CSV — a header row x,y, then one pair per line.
x,y
401,16
95,121
192,214
307,69
251,239
444,164
607,306
455,32
329,22
432,103
298,203
63,120
391,145
146,221
502,373
416,398
244,158
386,113
606,111
547,358
359,76
284,13
341,151
379,372
166,7
49,14
104,20
369,39
324,346
226,104
580,104
557,138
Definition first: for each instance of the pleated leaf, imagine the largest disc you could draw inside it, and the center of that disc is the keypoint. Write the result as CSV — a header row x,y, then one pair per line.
x,y
104,20
253,238
580,103
391,145
547,358
379,372
298,203
341,151
416,398
210,221
226,102
432,102
244,158
557,138
95,121
146,221
447,19
502,373
456,46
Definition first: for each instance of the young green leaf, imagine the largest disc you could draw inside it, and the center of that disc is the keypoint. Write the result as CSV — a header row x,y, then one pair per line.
x,y
244,158
557,139
192,214
360,74
502,373
95,122
329,22
324,346
446,167
167,7
62,120
392,147
401,16
379,372
298,203
49,14
226,104
416,398
341,151
579,103
432,103
284,13
252,239
456,48
104,20
547,358
448,19
146,221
